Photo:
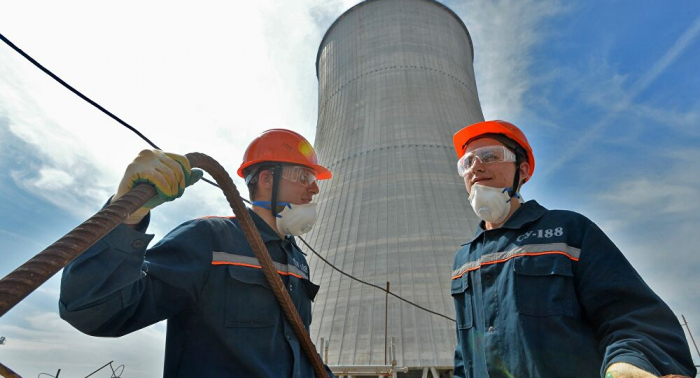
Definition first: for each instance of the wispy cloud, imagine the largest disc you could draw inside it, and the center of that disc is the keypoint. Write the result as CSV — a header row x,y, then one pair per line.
x,y
681,44
21,238
617,100
666,196
62,347
213,99
504,33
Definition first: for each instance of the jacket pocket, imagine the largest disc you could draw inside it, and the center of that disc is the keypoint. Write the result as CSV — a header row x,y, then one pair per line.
x,y
250,301
544,285
461,293
309,294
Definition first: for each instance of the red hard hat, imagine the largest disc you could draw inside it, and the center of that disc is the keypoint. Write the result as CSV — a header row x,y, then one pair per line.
x,y
464,136
283,146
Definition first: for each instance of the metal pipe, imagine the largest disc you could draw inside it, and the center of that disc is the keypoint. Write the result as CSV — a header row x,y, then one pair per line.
x,y
386,318
367,370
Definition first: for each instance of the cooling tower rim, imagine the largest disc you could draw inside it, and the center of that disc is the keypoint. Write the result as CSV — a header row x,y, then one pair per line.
x,y
356,6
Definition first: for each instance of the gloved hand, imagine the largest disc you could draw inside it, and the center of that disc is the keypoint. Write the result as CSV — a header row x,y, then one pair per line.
x,y
169,173
625,370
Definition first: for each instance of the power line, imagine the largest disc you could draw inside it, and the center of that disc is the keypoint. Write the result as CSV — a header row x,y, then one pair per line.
x,y
84,97
373,285
133,129
75,91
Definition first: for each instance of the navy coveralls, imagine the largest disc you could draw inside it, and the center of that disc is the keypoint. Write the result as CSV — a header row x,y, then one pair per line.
x,y
549,295
223,319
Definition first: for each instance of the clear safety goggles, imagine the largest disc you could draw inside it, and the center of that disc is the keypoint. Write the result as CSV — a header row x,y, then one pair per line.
x,y
296,173
485,155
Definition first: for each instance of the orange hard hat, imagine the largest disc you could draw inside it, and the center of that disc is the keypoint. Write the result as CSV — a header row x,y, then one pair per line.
x,y
464,136
282,146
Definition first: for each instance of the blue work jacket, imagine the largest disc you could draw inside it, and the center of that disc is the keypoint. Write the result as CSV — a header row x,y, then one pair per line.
x,y
548,295
223,319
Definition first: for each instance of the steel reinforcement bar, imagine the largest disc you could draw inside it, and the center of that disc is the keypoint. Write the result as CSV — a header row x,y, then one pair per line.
x,y
29,276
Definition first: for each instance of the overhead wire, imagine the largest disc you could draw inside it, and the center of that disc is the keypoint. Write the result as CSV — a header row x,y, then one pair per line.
x,y
142,136
373,285
84,97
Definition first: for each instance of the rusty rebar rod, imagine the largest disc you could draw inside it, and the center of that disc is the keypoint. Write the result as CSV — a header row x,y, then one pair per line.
x,y
251,233
28,277
6,372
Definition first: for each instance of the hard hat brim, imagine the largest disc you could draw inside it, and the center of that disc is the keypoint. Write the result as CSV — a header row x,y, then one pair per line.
x,y
462,137
322,173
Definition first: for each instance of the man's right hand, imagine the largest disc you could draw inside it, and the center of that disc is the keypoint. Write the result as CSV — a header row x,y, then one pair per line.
x,y
169,173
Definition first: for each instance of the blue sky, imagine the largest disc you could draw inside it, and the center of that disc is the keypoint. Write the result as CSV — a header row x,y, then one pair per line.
x,y
606,92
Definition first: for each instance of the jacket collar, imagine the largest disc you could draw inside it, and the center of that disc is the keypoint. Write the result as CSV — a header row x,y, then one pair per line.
x,y
528,212
266,232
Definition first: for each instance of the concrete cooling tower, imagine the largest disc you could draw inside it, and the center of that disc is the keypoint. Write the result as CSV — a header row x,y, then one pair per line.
x,y
396,81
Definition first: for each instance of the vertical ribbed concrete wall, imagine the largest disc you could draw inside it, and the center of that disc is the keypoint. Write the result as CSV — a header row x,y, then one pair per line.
x,y
396,81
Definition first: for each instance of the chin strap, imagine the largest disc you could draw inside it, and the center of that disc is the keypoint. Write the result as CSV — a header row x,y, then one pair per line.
x,y
267,204
516,179
276,177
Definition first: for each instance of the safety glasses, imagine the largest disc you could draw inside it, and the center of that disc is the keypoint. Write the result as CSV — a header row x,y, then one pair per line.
x,y
485,155
305,176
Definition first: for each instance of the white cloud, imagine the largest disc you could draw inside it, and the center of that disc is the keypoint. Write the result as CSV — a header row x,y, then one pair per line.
x,y
504,33
664,195
643,193
209,88
62,347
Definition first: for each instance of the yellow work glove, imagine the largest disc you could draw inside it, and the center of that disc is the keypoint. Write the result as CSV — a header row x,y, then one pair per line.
x,y
625,370
169,173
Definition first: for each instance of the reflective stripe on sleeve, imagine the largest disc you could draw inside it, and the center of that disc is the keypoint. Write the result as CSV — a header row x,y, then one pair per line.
x,y
525,250
223,258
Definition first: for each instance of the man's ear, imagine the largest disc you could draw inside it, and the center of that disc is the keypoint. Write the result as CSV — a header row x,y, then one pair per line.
x,y
524,172
265,180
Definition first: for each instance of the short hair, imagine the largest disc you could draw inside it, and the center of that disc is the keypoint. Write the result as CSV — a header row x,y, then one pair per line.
x,y
252,174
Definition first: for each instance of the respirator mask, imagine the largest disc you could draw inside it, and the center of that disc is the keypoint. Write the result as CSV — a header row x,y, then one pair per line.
x,y
491,204
294,220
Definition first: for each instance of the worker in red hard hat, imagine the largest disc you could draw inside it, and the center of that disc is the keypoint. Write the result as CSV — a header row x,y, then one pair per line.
x,y
203,277
544,293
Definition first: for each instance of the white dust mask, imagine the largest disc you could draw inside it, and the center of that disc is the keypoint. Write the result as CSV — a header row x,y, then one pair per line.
x,y
296,219
490,204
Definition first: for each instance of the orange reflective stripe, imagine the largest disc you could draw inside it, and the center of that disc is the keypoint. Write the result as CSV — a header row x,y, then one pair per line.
x,y
527,250
513,256
254,266
223,258
237,264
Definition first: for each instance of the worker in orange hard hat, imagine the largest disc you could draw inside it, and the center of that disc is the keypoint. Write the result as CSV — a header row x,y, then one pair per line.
x,y
203,277
276,155
544,293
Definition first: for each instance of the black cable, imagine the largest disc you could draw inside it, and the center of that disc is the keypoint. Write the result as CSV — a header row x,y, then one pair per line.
x,y
75,91
373,285
114,117
86,98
